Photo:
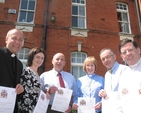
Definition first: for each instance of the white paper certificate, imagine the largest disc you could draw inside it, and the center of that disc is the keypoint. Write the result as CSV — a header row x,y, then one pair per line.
x,y
61,99
112,103
7,99
42,104
86,105
131,103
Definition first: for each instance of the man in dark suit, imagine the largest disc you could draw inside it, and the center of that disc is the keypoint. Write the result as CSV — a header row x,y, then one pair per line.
x,y
10,67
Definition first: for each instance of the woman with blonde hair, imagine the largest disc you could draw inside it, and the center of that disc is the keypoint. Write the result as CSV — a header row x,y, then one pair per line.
x,y
88,86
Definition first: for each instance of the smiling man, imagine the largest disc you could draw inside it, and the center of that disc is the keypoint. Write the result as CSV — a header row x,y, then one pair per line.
x,y
52,80
114,71
130,53
112,76
11,67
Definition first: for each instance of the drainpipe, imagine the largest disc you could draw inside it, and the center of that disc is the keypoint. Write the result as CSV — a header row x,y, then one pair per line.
x,y
138,14
44,33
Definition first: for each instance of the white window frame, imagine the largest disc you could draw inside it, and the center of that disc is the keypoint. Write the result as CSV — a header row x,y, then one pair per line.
x,y
82,3
27,11
77,64
24,54
124,25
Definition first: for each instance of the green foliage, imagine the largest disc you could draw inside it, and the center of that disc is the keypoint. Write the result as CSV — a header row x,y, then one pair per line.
x,y
74,111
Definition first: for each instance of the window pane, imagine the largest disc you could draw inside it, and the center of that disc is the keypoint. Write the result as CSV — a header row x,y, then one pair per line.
x,y
30,17
74,10
125,18
24,4
81,22
31,5
83,1
74,22
82,73
125,28
22,16
73,60
78,1
82,11
73,1
75,71
119,16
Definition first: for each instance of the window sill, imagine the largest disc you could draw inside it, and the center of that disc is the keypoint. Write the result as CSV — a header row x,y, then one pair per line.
x,y
126,35
79,32
26,27
24,24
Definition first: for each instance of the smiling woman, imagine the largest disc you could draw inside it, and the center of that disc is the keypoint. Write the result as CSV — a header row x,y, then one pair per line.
x,y
31,81
88,86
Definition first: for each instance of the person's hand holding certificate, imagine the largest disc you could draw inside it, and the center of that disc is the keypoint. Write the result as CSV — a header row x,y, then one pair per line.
x,y
61,99
86,105
7,99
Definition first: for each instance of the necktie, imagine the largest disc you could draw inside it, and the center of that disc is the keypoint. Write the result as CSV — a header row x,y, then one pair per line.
x,y
110,71
61,80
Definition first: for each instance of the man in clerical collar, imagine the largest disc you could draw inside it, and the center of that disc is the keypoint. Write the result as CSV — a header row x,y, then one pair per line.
x,y
9,73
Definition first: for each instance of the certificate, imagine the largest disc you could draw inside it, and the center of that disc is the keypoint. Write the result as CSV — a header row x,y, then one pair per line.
x,y
86,105
131,103
42,104
7,99
112,103
61,99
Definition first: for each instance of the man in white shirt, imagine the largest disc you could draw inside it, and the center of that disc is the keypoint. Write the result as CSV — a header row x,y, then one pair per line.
x,y
50,80
112,78
115,70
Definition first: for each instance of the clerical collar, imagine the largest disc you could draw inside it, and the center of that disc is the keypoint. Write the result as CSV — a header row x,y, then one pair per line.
x,y
139,61
13,55
90,76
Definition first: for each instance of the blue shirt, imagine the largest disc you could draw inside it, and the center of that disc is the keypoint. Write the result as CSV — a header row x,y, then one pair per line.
x,y
89,86
50,78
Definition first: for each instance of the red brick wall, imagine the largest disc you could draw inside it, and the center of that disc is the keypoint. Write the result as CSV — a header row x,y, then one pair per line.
x,y
101,23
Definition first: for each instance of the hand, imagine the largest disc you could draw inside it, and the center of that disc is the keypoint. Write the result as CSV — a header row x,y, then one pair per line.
x,y
19,89
75,106
47,95
102,93
52,89
68,110
98,106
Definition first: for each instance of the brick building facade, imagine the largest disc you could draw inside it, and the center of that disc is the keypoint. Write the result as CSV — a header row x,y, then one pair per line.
x,y
63,25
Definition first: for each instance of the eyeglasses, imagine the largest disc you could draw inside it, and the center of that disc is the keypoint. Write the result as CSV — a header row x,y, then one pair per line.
x,y
128,51
107,57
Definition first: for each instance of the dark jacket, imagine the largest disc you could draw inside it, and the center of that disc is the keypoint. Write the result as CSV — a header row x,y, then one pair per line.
x,y
7,78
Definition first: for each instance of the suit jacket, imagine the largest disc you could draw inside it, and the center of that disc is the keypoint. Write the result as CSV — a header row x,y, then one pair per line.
x,y
6,75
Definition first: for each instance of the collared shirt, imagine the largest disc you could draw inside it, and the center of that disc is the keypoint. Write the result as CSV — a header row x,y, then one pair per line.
x,y
50,78
112,79
137,66
89,86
